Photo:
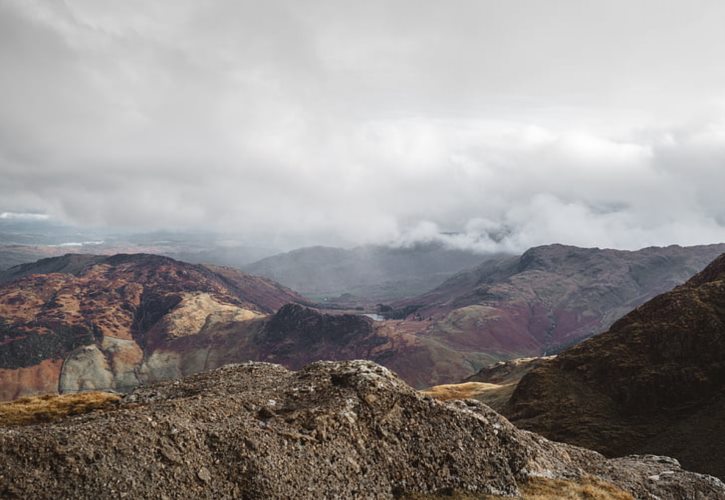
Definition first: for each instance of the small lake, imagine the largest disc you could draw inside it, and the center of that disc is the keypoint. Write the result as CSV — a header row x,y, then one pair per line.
x,y
374,317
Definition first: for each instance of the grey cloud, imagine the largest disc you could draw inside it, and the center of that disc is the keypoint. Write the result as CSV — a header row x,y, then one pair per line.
x,y
508,124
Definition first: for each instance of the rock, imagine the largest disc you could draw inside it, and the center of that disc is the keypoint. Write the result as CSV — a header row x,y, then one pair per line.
x,y
204,474
362,433
86,369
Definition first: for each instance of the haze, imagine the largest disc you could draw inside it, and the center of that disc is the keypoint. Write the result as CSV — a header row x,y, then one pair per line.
x,y
488,125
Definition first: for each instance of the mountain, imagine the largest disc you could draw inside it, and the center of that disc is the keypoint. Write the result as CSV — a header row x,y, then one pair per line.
x,y
367,273
192,251
13,255
331,430
81,322
547,299
654,383
86,321
296,335
229,256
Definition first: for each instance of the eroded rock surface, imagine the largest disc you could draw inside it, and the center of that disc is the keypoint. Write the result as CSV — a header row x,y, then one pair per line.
x,y
333,429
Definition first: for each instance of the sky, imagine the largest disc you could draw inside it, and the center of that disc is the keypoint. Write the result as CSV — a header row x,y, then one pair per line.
x,y
493,125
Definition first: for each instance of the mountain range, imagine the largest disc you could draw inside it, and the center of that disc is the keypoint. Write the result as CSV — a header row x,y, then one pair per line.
x,y
654,383
548,298
365,274
85,321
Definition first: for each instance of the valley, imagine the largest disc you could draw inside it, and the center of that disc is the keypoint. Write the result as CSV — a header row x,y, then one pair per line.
x,y
98,322
500,333
392,250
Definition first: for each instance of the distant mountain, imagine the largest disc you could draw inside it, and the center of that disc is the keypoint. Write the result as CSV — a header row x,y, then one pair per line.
x,y
113,322
508,307
230,256
14,255
654,383
87,321
368,273
548,298
188,251
331,430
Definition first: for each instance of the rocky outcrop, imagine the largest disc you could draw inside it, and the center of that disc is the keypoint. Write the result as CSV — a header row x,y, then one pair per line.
x,y
508,372
654,383
333,429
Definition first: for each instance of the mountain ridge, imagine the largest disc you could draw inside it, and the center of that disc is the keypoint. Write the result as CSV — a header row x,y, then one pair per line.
x,y
126,319
85,322
551,296
651,384
367,273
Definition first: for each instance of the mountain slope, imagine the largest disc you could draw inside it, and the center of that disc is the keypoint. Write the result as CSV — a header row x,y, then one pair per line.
x,y
370,273
81,322
332,430
548,298
654,383
84,321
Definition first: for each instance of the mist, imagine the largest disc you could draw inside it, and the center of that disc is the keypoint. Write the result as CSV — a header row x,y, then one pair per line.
x,y
490,126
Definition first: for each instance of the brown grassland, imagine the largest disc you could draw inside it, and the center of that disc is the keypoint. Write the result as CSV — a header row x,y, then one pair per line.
x,y
49,407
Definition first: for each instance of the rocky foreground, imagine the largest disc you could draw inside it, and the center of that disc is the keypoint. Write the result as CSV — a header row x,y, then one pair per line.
x,y
333,429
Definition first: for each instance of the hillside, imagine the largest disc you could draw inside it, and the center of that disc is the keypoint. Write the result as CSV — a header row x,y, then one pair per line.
x,y
85,321
81,322
654,383
365,274
97,322
547,299
344,430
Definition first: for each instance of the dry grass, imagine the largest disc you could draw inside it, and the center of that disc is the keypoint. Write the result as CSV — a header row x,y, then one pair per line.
x,y
47,408
494,395
465,390
539,488
588,488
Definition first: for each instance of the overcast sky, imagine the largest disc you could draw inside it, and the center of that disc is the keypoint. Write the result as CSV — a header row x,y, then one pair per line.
x,y
514,122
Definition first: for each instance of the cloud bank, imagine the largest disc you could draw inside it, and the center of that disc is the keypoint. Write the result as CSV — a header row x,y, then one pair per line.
x,y
500,125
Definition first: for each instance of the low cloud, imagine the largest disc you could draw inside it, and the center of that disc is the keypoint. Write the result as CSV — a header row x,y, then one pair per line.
x,y
295,123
